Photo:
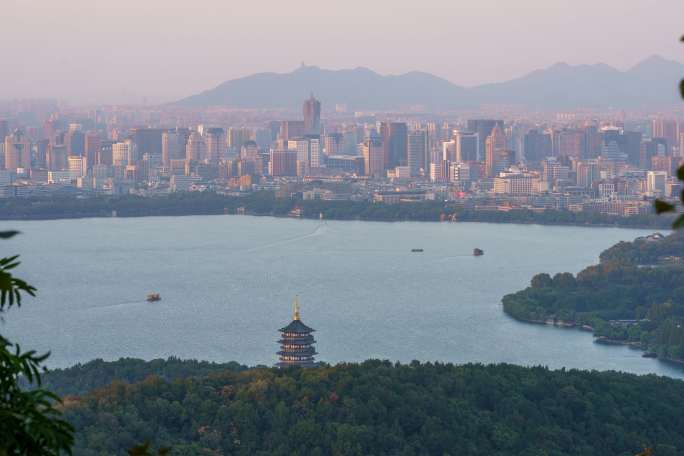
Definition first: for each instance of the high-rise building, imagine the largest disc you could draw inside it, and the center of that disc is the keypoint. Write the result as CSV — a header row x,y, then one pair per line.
x,y
483,128
373,157
591,142
195,148
655,183
668,129
587,172
78,166
57,157
171,148
17,151
417,152
237,137
312,116
105,156
467,144
612,144
631,146
283,163
296,343
124,153
147,140
536,147
249,151
93,144
291,129
333,143
568,143
215,141
39,159
663,163
4,129
394,140
495,152
75,141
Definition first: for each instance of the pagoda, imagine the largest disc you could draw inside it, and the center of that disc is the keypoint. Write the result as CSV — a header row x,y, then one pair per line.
x,y
296,343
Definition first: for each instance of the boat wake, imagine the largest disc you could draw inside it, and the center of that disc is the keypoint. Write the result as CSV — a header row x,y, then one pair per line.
x,y
318,231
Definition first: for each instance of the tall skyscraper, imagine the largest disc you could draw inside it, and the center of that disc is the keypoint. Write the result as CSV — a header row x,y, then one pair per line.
x,y
417,152
195,148
57,157
483,128
237,137
587,172
215,141
495,152
333,143
536,147
394,140
170,147
4,130
668,129
147,140
17,151
312,116
75,141
93,143
374,157
104,156
466,144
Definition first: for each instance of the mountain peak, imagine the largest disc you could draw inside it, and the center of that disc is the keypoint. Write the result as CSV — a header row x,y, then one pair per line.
x,y
561,85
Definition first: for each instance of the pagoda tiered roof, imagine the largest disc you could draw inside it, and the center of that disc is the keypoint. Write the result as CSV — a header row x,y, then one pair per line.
x,y
296,326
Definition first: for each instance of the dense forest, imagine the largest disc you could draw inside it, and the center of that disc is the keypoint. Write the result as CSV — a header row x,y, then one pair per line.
x,y
82,378
634,295
380,408
265,203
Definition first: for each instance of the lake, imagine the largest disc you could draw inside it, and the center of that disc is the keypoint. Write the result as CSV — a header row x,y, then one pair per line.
x,y
227,284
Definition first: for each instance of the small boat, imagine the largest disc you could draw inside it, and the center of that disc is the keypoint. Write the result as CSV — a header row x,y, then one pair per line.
x,y
478,252
649,355
153,297
416,250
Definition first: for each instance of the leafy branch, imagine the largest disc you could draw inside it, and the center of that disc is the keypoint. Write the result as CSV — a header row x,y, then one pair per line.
x,y
30,423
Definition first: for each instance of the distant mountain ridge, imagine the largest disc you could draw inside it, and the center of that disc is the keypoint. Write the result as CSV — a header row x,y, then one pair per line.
x,y
650,83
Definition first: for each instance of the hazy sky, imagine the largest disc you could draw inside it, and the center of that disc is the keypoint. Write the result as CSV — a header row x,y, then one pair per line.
x,y
124,50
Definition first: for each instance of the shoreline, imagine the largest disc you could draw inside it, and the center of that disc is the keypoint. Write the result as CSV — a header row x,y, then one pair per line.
x,y
266,204
602,340
39,218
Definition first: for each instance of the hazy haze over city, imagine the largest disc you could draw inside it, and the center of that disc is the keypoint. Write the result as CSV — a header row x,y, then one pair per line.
x,y
125,51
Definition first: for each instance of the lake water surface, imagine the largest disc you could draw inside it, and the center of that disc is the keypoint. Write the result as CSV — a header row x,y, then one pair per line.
x,y
227,284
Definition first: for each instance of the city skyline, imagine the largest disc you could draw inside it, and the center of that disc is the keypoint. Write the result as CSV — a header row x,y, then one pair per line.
x,y
167,51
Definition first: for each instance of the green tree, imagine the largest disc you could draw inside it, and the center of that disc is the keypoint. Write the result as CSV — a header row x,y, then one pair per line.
x,y
30,423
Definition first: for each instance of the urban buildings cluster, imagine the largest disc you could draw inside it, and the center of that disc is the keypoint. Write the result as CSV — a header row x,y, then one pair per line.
x,y
568,161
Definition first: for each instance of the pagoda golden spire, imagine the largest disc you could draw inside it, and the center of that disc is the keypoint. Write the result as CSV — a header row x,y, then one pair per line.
x,y
295,312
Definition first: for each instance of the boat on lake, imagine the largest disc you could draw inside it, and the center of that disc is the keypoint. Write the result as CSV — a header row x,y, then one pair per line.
x,y
416,250
478,252
153,297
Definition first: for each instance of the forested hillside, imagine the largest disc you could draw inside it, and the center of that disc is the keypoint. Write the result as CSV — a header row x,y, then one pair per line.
x,y
381,408
634,295
82,378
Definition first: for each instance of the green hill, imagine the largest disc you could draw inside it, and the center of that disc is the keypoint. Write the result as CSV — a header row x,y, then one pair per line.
x,y
635,295
380,408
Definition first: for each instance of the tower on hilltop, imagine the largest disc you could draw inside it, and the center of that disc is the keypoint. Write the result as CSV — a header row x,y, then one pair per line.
x,y
296,342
